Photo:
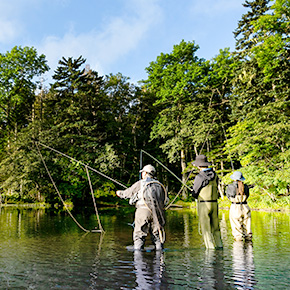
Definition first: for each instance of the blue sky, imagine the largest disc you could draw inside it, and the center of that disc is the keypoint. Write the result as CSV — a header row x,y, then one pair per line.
x,y
117,35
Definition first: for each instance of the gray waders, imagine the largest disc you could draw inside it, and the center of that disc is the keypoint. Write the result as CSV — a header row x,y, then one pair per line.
x,y
143,225
149,215
240,218
208,215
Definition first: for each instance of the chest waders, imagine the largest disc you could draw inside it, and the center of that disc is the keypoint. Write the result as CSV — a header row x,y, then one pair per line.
x,y
207,207
149,214
240,216
155,206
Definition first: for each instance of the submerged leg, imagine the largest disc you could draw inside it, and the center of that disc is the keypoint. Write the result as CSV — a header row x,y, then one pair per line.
x,y
141,229
205,224
235,220
215,227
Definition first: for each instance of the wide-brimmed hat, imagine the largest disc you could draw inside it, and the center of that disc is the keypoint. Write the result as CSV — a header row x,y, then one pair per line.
x,y
201,160
149,169
237,175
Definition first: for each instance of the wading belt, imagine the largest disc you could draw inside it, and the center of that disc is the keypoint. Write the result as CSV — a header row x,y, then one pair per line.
x,y
243,202
213,200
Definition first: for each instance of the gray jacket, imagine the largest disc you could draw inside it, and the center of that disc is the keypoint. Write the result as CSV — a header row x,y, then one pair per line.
x,y
148,193
136,192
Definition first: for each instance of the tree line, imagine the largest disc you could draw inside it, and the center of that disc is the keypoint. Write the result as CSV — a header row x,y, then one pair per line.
x,y
233,108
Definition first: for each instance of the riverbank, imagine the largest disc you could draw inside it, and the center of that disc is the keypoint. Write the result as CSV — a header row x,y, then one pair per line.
x,y
281,205
25,205
259,204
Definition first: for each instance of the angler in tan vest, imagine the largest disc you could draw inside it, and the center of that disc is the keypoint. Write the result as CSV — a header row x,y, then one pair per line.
x,y
240,213
205,189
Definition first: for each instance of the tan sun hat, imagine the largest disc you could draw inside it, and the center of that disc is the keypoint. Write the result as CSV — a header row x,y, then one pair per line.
x,y
149,169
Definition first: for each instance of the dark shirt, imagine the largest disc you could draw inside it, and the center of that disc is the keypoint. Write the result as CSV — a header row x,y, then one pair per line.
x,y
201,180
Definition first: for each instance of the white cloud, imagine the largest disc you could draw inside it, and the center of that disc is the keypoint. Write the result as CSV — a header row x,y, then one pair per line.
x,y
120,35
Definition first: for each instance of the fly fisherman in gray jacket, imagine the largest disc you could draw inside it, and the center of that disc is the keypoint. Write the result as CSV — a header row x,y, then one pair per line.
x,y
149,197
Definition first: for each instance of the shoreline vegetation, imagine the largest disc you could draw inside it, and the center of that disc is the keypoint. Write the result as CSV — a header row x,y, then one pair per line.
x,y
224,204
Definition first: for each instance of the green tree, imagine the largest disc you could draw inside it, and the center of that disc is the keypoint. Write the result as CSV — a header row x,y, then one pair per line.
x,y
209,131
175,78
19,69
273,49
18,81
260,103
129,124
249,89
76,114
261,142
22,176
245,33
193,97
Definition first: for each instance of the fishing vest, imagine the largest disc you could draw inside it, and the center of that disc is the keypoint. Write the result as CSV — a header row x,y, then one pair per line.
x,y
240,198
209,192
144,195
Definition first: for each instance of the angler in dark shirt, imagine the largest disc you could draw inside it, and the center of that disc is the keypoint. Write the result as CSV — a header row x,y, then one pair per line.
x,y
205,190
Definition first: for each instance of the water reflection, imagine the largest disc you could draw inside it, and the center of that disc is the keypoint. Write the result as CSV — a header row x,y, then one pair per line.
x,y
132,270
149,270
212,272
243,265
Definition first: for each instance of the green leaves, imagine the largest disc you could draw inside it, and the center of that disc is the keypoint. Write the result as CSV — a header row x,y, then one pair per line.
x,y
273,34
174,78
18,69
261,141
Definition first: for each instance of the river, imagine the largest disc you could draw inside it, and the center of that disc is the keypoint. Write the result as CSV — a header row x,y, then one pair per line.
x,y
44,250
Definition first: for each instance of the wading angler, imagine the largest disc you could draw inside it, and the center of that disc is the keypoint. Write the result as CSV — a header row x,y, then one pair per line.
x,y
149,197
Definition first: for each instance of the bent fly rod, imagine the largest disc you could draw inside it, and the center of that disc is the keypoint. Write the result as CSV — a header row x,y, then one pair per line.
x,y
89,167
89,180
165,168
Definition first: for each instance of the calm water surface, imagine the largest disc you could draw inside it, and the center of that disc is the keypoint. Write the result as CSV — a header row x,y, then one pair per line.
x,y
40,250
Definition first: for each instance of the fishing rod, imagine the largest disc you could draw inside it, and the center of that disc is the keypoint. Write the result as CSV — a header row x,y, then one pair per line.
x,y
59,195
167,169
184,184
89,180
85,165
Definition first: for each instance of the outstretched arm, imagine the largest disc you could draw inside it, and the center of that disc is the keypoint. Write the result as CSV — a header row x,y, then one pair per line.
x,y
129,192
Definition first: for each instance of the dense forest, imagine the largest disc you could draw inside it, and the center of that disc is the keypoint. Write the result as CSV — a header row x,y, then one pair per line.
x,y
233,108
